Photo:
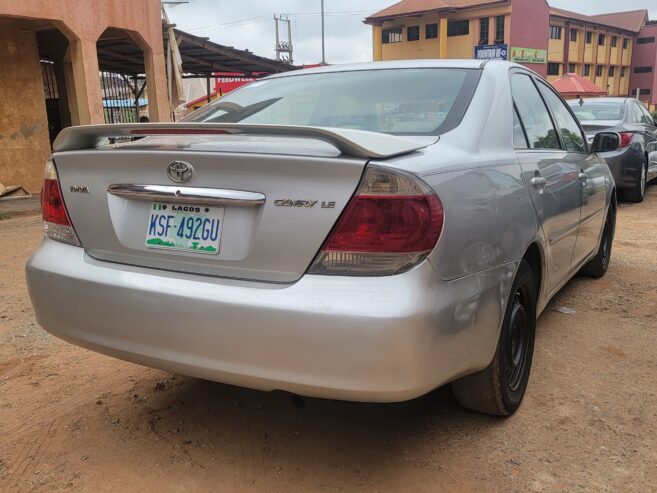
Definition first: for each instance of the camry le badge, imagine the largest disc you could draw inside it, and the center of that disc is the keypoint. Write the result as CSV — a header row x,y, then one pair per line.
x,y
180,171
303,203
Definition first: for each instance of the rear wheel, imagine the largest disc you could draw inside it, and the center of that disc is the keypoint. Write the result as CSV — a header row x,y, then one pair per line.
x,y
597,266
499,388
638,192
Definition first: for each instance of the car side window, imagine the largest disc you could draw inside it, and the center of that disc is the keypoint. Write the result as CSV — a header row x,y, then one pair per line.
x,y
571,132
519,139
647,117
637,115
535,118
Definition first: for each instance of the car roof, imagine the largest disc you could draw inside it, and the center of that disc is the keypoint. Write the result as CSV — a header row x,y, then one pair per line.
x,y
397,64
603,100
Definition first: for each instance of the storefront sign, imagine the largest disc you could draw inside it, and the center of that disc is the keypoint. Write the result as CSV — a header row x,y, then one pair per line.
x,y
492,52
528,55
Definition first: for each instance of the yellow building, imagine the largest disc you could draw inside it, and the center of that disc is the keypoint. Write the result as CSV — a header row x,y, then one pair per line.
x,y
550,41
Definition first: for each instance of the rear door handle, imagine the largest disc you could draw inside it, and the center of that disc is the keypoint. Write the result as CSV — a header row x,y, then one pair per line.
x,y
583,177
538,182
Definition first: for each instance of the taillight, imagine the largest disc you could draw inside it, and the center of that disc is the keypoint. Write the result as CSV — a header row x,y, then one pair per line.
x,y
56,223
625,138
391,224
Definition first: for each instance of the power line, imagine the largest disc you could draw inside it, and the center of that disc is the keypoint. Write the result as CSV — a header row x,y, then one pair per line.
x,y
264,18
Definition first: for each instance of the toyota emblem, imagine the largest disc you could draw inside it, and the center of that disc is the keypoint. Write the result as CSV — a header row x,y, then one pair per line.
x,y
180,171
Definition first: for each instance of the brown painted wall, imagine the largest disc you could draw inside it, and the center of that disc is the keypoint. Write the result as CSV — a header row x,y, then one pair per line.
x,y
83,21
24,143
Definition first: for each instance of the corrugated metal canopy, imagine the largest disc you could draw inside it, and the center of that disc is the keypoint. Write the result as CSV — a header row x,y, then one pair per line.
x,y
118,53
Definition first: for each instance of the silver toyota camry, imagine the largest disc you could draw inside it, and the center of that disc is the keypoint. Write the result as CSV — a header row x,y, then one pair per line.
x,y
366,232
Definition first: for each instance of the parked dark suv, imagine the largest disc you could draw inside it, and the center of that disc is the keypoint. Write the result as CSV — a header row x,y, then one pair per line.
x,y
635,162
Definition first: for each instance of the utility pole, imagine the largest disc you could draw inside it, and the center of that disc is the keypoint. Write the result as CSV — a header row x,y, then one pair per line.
x,y
323,44
284,49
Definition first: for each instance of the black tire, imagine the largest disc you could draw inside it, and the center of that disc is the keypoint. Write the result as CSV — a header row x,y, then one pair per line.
x,y
499,388
598,265
638,192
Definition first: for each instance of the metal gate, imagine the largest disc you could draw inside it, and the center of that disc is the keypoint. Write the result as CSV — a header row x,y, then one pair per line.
x,y
51,93
121,96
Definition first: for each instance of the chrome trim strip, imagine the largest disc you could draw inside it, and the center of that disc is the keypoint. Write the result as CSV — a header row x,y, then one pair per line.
x,y
188,195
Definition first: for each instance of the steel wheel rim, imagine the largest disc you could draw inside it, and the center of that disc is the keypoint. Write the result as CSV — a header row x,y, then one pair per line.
x,y
517,340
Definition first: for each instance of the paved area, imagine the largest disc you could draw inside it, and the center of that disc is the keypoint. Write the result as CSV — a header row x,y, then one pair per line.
x,y
74,420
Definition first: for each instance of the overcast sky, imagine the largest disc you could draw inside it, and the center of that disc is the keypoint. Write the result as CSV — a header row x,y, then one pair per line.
x,y
249,24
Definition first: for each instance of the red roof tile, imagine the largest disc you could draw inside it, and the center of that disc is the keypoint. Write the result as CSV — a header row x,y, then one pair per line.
x,y
416,7
632,20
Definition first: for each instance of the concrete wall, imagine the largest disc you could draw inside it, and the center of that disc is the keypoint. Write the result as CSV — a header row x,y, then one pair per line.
x,y
24,142
645,55
83,22
530,28
452,46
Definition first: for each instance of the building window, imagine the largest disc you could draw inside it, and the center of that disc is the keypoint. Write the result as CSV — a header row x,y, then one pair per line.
x,y
431,31
393,35
625,43
642,70
587,71
572,68
555,32
589,37
413,33
601,39
598,71
499,29
553,69
611,71
614,41
483,30
645,41
622,74
642,92
573,35
458,28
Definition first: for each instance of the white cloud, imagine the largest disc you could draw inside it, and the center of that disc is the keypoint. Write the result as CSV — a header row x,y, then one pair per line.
x,y
249,24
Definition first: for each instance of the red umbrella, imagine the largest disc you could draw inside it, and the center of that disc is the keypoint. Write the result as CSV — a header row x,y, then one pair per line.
x,y
574,85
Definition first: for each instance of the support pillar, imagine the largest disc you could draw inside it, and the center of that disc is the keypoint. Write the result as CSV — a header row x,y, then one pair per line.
x,y
442,30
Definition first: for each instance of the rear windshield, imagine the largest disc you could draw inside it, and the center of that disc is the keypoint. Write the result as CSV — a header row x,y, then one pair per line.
x,y
598,111
426,101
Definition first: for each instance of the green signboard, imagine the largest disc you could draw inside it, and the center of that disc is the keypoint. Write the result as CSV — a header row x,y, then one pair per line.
x,y
528,55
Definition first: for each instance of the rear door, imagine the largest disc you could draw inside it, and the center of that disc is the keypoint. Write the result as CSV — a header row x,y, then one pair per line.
x,y
590,174
650,132
551,174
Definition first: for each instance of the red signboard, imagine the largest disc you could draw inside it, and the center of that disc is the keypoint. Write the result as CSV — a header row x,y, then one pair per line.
x,y
227,81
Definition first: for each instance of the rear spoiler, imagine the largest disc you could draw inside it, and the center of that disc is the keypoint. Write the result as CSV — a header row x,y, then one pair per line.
x,y
357,143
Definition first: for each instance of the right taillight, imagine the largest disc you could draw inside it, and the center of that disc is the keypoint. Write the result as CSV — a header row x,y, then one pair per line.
x,y
56,223
625,139
391,224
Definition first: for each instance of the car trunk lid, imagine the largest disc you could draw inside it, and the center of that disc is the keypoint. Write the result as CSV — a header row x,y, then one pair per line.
x,y
592,127
275,196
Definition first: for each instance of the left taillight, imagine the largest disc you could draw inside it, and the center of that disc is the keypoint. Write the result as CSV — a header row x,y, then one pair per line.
x,y
56,222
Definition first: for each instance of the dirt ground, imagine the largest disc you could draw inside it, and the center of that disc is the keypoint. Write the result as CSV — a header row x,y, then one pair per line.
x,y
74,420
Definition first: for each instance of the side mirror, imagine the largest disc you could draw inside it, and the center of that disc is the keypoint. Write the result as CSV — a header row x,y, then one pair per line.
x,y
605,142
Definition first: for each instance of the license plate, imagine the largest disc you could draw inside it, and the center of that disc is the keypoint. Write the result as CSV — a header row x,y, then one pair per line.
x,y
190,228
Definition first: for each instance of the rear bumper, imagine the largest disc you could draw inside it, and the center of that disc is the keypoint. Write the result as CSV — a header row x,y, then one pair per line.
x,y
625,165
367,339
